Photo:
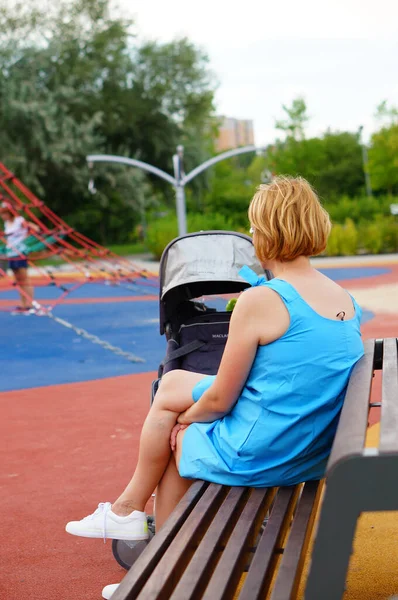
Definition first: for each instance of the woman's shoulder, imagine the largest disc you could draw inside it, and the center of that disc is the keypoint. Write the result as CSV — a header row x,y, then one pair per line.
x,y
261,311
261,301
262,293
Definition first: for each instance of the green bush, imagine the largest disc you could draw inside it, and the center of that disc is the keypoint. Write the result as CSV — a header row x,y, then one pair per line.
x,y
371,235
359,209
379,236
207,222
162,231
349,245
343,239
390,235
334,241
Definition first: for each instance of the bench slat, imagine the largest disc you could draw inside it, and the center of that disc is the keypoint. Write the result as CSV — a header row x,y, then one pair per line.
x,y
289,573
264,561
197,574
230,566
350,435
172,565
389,404
144,566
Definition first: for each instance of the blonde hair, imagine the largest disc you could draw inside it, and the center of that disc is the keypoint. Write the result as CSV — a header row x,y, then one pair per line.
x,y
288,220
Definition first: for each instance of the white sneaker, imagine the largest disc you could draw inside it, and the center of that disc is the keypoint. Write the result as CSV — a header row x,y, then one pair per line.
x,y
104,523
108,590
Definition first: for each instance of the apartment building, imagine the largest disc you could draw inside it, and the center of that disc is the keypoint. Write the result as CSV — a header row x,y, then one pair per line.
x,y
234,133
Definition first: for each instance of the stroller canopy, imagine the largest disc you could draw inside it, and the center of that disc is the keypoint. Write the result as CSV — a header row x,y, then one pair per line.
x,y
203,263
207,256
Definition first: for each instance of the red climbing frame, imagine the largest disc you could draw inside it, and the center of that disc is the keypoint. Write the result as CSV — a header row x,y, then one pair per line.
x,y
91,261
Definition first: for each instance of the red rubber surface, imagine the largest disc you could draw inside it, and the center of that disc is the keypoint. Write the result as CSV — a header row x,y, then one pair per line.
x,y
64,449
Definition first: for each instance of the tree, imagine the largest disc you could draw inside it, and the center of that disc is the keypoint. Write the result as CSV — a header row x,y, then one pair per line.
x,y
332,163
230,192
387,113
383,152
73,80
383,160
294,125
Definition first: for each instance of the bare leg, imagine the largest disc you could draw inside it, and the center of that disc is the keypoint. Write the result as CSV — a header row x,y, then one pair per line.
x,y
169,492
173,397
26,293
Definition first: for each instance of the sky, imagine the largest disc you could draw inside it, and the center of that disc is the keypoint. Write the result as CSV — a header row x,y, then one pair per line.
x,y
341,56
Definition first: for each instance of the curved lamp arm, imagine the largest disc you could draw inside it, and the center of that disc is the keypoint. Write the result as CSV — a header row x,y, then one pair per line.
x,y
132,162
216,159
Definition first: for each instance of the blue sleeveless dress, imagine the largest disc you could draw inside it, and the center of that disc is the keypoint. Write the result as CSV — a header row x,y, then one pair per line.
x,y
281,429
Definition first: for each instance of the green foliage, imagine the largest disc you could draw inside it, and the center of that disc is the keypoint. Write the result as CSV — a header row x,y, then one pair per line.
x,y
257,171
128,249
331,163
335,240
390,234
296,120
162,231
378,236
383,160
361,208
350,243
383,152
209,221
386,112
231,192
343,240
371,238
73,81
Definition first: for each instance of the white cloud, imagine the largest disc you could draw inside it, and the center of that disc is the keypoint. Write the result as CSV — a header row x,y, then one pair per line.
x,y
341,55
235,22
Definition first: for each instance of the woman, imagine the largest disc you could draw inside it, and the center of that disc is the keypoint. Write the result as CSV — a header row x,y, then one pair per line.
x,y
16,230
269,415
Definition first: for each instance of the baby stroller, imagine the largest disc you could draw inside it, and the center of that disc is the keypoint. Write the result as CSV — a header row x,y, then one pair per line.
x,y
195,271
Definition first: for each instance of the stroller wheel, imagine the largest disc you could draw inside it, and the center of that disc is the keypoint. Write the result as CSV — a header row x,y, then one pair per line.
x,y
126,553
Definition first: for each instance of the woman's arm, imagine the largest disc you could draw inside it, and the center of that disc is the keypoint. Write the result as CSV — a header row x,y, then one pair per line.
x,y
259,317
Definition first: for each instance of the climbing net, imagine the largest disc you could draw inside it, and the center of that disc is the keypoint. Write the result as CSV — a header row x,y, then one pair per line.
x,y
80,260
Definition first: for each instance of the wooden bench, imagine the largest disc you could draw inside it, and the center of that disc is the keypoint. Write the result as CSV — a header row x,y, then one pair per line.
x,y
215,546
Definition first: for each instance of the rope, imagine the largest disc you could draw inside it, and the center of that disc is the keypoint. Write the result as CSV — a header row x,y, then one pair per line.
x,y
92,338
133,288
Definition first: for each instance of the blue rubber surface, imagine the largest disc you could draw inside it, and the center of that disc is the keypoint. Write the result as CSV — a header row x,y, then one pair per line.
x,y
342,273
36,351
90,290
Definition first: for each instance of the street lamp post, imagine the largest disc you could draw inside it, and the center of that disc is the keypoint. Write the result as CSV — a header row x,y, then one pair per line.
x,y
366,169
179,180
178,164
365,163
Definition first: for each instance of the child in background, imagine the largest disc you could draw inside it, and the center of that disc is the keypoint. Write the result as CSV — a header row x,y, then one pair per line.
x,y
16,230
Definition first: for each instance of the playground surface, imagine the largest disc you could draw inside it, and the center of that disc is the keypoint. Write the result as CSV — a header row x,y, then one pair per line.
x,y
72,412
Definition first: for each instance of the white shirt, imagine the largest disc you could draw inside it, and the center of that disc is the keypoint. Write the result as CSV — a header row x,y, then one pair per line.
x,y
15,231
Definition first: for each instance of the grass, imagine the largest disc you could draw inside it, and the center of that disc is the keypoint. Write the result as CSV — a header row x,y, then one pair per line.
x,y
47,262
119,249
127,249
